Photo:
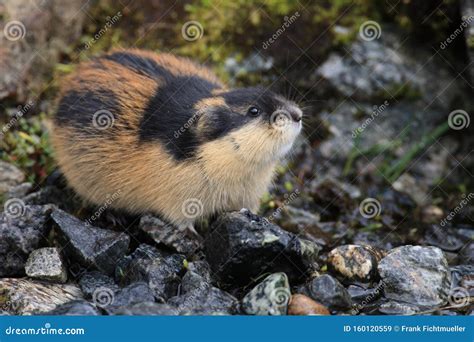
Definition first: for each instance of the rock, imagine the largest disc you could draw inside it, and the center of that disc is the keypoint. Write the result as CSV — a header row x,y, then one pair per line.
x,y
445,238
390,67
46,264
397,308
201,268
303,305
467,253
132,294
91,281
74,308
416,275
270,297
91,246
354,262
200,297
161,271
31,46
10,176
329,292
23,296
19,191
20,234
362,296
169,235
241,246
146,309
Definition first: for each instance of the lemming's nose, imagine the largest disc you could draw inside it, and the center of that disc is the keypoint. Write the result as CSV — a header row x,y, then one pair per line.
x,y
296,115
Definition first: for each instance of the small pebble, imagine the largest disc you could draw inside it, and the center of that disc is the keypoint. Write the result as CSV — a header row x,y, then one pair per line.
x,y
301,305
46,264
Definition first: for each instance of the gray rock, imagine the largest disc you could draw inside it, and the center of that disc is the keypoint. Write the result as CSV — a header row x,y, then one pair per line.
x,y
416,275
22,296
270,297
147,309
354,262
36,45
169,235
162,272
90,246
91,281
241,246
397,308
46,264
19,191
132,294
21,234
199,297
373,67
74,308
329,291
10,176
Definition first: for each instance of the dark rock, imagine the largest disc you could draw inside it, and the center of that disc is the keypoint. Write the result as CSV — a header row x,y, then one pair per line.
x,y
329,291
146,309
354,262
270,297
444,238
381,240
466,254
398,308
130,295
161,271
23,296
90,246
91,281
303,305
20,234
200,297
201,268
362,296
74,308
49,194
10,176
46,264
169,235
416,275
241,246
459,272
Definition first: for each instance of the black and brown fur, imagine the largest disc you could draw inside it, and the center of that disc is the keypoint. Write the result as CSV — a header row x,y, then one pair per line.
x,y
178,135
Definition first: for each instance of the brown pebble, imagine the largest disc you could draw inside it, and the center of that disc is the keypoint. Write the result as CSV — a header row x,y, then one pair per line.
x,y
301,305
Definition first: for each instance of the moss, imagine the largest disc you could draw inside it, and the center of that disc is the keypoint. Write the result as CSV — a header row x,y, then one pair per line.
x,y
27,146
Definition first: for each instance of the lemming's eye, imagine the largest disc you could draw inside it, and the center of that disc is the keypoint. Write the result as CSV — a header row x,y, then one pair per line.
x,y
253,111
